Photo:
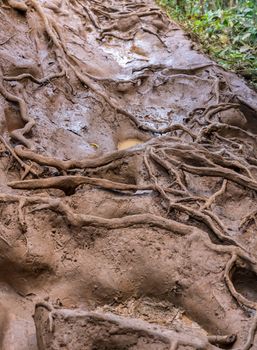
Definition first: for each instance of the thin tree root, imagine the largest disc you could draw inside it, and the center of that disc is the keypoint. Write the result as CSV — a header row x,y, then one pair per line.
x,y
116,36
27,168
81,220
148,30
246,220
155,67
208,220
22,220
5,241
223,173
251,335
35,80
212,110
50,309
171,170
213,198
90,15
218,127
21,215
199,216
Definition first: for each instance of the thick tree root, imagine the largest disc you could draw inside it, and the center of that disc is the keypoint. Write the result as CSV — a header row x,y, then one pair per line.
x,y
82,220
213,198
73,164
69,183
240,299
19,5
251,336
119,325
248,218
18,134
27,168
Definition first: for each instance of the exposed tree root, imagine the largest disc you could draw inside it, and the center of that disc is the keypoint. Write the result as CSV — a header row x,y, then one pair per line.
x,y
87,163
212,110
251,335
73,164
18,5
172,171
7,40
27,168
69,183
248,218
123,324
239,298
222,340
155,67
35,80
219,127
90,14
3,239
210,168
81,220
132,14
212,199
85,220
127,38
148,30
18,134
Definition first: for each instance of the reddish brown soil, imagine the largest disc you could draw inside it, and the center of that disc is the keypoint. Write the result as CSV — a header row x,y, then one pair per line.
x,y
109,247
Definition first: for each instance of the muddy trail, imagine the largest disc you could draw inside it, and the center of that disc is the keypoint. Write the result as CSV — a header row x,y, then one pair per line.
x,y
128,174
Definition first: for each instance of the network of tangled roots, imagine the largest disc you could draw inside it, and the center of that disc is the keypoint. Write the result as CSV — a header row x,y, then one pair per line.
x,y
189,189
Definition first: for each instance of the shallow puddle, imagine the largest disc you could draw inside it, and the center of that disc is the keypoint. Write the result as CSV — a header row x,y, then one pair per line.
x,y
128,143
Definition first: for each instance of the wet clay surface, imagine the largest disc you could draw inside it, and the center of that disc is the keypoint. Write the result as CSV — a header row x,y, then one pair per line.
x,y
128,168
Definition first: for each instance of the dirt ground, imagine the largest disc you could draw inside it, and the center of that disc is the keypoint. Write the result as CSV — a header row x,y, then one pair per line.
x,y
128,177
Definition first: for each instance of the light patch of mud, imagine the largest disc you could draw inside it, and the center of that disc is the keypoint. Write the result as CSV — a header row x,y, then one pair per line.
x,y
128,143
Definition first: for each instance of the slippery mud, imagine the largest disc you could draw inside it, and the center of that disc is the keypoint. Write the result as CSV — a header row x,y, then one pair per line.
x,y
128,167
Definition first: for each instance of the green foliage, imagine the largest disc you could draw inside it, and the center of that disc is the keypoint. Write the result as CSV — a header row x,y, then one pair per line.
x,y
227,30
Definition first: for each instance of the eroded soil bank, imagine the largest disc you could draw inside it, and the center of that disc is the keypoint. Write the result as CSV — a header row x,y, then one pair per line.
x,y
128,169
